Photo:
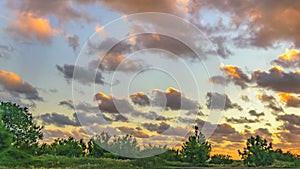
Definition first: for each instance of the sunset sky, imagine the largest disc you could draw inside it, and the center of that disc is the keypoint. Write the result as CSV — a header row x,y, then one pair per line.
x,y
87,66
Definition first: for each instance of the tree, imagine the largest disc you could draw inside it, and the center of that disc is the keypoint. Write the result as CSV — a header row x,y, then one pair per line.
x,y
257,152
19,122
196,150
5,137
65,147
96,144
220,159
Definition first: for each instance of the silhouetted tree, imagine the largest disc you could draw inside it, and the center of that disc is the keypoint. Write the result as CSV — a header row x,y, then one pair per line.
x,y
66,147
257,152
97,144
196,150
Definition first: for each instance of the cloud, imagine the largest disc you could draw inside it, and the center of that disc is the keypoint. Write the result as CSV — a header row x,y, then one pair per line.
x,y
5,51
159,128
290,59
133,132
277,80
220,101
81,106
111,104
60,119
173,99
244,97
73,42
218,80
64,11
140,98
15,84
241,120
257,24
254,113
290,100
236,75
270,102
136,6
83,76
29,26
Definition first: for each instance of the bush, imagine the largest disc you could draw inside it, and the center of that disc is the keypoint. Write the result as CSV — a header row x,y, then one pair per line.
x,y
220,159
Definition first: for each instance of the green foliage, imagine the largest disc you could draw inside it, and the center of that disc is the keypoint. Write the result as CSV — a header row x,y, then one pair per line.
x,y
196,150
5,137
281,156
65,147
257,152
170,155
221,159
126,146
96,144
20,123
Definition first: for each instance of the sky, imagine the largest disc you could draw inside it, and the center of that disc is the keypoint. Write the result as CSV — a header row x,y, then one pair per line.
x,y
154,69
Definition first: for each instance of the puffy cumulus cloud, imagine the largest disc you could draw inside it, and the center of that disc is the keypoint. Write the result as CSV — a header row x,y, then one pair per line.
x,y
236,75
256,114
290,100
290,59
110,104
270,102
242,120
15,84
133,132
73,42
291,123
64,11
140,98
136,6
28,25
220,101
264,25
225,132
173,99
277,80
82,75
60,120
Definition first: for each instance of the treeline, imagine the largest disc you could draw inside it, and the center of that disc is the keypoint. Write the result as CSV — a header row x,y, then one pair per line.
x,y
19,140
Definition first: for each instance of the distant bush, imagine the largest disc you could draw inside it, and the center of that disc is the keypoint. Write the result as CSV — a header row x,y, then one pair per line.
x,y
220,159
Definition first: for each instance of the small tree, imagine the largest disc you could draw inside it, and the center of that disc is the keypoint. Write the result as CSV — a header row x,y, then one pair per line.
x,y
20,123
5,137
257,152
196,150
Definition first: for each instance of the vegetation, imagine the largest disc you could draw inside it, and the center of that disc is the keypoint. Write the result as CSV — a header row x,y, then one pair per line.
x,y
19,138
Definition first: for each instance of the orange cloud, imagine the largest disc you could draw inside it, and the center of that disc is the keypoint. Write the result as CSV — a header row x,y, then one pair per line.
x,y
231,70
289,54
29,26
291,100
14,83
277,68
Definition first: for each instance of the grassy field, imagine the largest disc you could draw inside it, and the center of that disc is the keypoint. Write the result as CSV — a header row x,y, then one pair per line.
x,y
49,161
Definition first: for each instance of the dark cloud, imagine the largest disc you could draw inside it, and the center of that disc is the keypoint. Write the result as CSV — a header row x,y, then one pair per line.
x,y
242,120
60,119
82,75
290,59
270,102
133,132
236,75
16,86
111,104
278,80
222,50
159,128
256,114
73,42
173,99
218,80
220,101
81,106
